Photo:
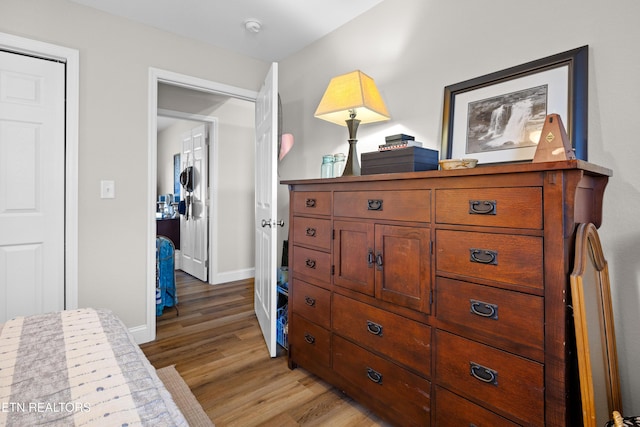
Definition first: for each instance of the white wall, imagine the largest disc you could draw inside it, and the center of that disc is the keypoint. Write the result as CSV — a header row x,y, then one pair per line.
x,y
115,57
414,48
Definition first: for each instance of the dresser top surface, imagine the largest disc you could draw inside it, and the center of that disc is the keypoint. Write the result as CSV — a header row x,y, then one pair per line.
x,y
587,167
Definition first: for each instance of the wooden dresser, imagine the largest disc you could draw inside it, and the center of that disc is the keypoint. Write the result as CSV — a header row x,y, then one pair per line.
x,y
441,298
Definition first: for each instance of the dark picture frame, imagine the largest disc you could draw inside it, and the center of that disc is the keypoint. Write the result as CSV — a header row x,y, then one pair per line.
x,y
176,176
494,118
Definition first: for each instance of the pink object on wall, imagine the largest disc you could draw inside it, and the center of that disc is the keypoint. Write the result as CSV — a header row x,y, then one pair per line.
x,y
287,143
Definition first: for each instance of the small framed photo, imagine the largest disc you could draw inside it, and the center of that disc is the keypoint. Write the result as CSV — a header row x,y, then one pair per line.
x,y
498,118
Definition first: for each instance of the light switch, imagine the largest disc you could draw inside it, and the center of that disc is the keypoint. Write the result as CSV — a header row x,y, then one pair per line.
x,y
107,189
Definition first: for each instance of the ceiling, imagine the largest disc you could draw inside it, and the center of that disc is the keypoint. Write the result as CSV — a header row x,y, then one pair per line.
x,y
286,26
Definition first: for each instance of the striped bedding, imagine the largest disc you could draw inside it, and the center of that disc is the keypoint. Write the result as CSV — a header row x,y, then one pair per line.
x,y
78,368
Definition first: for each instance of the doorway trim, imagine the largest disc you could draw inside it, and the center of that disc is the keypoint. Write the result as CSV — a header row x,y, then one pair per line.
x,y
156,76
71,59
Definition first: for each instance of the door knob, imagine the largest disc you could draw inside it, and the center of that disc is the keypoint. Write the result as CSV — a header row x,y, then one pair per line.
x,y
266,223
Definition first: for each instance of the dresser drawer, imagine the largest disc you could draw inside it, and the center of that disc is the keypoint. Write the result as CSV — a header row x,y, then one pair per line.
x,y
405,341
510,320
406,394
312,263
311,202
455,411
312,232
518,207
499,257
309,344
505,382
402,205
311,302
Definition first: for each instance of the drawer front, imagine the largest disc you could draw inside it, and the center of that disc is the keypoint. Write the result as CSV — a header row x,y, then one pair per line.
x,y
311,302
312,263
510,320
499,257
402,205
405,393
493,207
405,341
505,382
312,232
311,202
309,344
455,411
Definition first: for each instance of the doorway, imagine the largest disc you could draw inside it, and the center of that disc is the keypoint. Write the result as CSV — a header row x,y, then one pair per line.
x,y
184,141
169,79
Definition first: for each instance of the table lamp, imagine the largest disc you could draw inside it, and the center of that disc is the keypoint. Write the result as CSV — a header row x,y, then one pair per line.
x,y
349,96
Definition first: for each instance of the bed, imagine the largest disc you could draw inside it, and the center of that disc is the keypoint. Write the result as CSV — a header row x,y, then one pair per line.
x,y
78,367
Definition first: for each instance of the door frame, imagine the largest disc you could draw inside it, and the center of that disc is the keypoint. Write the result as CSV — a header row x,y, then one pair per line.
x,y
156,76
71,59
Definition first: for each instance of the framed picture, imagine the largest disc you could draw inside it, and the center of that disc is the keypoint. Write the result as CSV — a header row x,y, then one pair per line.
x,y
176,175
498,117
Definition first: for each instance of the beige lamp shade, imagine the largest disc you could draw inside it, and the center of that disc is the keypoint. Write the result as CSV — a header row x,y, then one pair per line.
x,y
354,92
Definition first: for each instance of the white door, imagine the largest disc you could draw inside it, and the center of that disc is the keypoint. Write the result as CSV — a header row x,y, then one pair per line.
x,y
194,240
32,173
266,207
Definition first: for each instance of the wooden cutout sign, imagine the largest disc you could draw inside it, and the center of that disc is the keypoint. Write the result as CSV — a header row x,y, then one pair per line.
x,y
554,145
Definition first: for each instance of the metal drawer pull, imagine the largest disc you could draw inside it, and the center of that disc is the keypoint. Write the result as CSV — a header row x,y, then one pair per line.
x,y
311,232
374,204
484,374
309,338
374,376
310,263
310,301
310,203
483,256
482,207
374,328
484,309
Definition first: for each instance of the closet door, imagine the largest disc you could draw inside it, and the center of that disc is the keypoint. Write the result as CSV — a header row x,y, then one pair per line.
x,y
32,180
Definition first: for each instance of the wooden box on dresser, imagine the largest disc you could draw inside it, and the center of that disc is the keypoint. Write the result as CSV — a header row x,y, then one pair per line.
x,y
441,298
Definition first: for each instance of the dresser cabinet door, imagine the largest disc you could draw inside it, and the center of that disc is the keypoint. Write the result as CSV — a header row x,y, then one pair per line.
x,y
354,256
403,266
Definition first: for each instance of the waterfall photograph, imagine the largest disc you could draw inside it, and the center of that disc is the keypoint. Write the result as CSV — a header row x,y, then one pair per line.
x,y
507,121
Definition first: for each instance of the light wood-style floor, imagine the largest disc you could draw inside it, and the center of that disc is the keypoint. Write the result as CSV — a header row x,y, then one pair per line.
x,y
217,347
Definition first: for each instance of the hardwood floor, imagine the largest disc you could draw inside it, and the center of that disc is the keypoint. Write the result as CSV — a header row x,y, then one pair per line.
x,y
217,347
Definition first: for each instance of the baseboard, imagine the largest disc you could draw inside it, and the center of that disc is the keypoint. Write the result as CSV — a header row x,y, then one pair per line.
x,y
141,334
232,276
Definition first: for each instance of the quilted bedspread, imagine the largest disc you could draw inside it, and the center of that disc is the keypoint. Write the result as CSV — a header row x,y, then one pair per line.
x,y
78,368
